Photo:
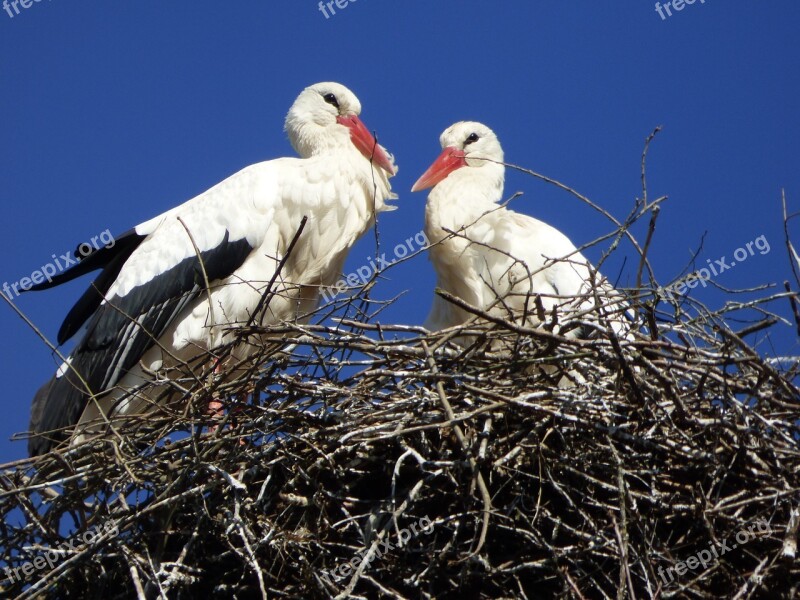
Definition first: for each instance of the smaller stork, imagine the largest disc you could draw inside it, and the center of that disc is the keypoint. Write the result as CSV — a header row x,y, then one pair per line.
x,y
497,260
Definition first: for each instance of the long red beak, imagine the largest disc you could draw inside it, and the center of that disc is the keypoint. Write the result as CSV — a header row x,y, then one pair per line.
x,y
366,142
449,160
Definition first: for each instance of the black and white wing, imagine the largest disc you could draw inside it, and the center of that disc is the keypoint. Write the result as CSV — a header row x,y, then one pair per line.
x,y
149,276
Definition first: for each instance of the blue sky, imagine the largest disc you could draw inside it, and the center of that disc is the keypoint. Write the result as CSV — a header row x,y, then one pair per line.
x,y
111,114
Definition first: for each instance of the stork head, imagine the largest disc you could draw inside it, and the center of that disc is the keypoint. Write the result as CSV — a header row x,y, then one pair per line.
x,y
325,117
466,144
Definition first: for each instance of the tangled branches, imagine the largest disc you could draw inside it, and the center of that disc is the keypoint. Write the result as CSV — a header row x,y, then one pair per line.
x,y
659,451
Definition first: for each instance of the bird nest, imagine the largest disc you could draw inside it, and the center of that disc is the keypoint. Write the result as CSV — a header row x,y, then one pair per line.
x,y
358,460
373,461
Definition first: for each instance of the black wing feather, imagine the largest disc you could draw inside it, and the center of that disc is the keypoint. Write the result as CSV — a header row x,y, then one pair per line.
x,y
119,334
110,259
124,245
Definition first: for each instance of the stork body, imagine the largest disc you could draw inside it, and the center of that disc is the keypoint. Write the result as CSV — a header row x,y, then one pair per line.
x,y
150,309
493,258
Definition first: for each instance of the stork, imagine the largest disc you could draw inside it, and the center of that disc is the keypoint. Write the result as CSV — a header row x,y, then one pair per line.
x,y
178,285
494,259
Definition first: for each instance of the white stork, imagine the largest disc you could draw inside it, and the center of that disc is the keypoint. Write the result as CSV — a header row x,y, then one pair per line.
x,y
150,307
497,260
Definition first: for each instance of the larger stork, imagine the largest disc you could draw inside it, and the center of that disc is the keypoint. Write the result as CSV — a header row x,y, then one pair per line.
x,y
177,285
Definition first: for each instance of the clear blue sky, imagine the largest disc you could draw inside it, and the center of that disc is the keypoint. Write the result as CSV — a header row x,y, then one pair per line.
x,y
112,113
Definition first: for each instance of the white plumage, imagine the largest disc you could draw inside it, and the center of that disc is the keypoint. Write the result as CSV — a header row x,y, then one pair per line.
x,y
495,259
153,279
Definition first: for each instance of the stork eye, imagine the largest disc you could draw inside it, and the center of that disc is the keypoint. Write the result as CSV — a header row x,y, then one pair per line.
x,y
473,137
331,99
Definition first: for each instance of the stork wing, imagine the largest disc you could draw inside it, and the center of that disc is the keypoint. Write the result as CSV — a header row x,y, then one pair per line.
x,y
109,258
147,284
563,272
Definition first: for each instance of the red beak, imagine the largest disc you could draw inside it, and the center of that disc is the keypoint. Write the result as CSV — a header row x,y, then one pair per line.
x,y
449,160
366,142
